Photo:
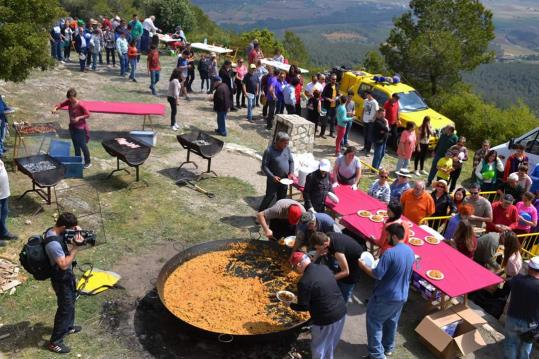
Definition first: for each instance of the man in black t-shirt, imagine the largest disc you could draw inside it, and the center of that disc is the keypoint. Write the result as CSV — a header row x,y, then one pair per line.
x,y
250,90
523,312
343,251
319,294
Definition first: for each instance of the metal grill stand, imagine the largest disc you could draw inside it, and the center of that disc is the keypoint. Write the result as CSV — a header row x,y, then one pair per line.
x,y
203,145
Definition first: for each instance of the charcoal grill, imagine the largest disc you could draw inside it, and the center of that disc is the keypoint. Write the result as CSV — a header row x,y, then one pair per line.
x,y
259,264
201,144
133,157
44,171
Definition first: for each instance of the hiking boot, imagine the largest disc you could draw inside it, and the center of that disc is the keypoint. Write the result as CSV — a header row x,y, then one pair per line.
x,y
59,348
74,329
9,236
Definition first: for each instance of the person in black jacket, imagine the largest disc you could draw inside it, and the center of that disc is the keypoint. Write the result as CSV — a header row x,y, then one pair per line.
x,y
443,203
222,101
319,294
330,96
342,250
380,133
317,186
226,75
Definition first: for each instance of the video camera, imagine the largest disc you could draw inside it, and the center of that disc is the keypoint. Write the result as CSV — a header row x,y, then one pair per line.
x,y
88,237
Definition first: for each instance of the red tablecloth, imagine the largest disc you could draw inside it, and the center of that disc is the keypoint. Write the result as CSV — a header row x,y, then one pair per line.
x,y
124,108
351,201
461,274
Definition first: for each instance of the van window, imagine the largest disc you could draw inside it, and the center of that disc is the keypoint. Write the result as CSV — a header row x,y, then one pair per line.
x,y
380,96
530,143
361,90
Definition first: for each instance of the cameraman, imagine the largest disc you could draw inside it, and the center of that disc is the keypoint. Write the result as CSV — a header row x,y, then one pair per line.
x,y
63,280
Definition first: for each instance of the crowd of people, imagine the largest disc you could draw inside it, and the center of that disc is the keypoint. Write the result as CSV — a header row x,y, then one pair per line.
x,y
329,276
474,226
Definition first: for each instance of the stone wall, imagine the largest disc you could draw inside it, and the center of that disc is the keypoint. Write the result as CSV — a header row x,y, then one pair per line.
x,y
300,130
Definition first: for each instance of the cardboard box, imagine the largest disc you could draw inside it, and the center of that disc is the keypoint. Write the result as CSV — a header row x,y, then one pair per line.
x,y
452,333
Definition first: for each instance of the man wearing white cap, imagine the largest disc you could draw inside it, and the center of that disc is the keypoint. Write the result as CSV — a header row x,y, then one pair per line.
x,y
317,187
522,320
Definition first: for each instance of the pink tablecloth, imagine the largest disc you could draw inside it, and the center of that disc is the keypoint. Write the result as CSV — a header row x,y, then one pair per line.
x,y
124,108
461,274
351,201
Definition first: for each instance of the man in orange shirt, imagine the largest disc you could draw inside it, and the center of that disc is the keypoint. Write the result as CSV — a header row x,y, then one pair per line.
x,y
416,203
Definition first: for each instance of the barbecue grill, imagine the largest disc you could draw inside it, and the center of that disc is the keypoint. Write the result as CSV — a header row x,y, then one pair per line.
x,y
133,157
200,144
260,264
45,172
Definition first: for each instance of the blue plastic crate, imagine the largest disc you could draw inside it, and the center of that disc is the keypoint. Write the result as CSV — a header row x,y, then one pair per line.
x,y
74,166
59,148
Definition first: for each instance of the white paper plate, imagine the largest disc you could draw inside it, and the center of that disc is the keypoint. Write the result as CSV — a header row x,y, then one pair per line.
x,y
333,197
431,277
286,181
290,241
281,296
368,259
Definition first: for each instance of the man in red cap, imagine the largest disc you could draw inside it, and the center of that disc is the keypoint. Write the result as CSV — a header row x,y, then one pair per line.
x,y
319,294
280,220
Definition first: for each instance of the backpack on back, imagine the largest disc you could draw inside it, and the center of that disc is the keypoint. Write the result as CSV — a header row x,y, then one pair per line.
x,y
34,258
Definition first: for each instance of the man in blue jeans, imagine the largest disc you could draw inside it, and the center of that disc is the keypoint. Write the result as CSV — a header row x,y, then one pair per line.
x,y
392,274
523,313
62,261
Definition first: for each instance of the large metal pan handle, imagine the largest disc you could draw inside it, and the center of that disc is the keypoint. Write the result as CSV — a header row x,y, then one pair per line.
x,y
225,338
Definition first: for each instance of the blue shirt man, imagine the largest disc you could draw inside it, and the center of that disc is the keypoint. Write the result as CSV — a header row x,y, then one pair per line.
x,y
392,274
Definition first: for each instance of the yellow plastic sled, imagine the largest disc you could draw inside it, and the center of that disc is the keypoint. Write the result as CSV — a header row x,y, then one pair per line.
x,y
95,281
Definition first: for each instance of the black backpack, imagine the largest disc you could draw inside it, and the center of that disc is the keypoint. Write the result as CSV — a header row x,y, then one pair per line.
x,y
34,258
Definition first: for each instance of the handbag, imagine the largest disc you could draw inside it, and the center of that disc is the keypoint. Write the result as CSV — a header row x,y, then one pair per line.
x,y
263,99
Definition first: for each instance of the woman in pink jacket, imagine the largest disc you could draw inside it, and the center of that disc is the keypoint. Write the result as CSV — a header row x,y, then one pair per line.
x,y
406,147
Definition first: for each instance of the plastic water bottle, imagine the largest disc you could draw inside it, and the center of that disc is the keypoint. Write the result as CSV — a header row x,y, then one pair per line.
x,y
205,41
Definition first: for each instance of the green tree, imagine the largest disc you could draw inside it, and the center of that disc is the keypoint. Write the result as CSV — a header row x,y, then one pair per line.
x,y
295,49
477,120
24,36
374,63
436,39
267,40
171,13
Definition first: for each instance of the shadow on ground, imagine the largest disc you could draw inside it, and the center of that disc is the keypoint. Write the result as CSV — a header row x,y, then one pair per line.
x,y
23,335
164,336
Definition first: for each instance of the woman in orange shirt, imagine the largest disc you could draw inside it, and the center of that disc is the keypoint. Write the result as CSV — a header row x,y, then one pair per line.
x,y
394,211
132,56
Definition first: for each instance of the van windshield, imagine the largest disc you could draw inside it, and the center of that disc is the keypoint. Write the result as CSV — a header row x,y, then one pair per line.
x,y
411,101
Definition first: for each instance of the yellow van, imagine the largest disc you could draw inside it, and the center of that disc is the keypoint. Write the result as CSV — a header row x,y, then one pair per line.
x,y
412,106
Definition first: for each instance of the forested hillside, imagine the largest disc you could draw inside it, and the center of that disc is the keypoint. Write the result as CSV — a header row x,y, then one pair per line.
x,y
505,83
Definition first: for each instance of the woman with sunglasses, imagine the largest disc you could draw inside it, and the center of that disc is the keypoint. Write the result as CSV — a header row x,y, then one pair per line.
x,y
487,171
380,188
442,201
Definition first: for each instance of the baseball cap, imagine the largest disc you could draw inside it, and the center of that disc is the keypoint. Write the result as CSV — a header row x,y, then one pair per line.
x,y
294,214
508,198
298,257
307,217
217,78
325,165
533,264
252,66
